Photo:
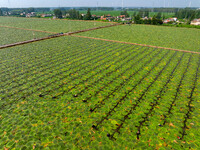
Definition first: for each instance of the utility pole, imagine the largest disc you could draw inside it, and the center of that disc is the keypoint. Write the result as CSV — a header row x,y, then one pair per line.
x,y
97,6
190,3
164,3
59,4
122,5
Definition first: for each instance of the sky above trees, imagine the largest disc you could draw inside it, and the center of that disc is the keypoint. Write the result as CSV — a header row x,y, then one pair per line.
x,y
100,3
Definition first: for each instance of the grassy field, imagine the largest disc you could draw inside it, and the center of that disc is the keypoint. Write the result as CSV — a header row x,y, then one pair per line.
x,y
76,93
117,13
49,24
8,35
171,37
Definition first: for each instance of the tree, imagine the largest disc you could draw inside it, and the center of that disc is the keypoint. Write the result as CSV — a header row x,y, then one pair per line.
x,y
156,21
141,14
146,14
1,12
147,21
163,17
137,19
29,10
124,13
88,16
58,13
158,16
134,14
73,14
191,18
80,17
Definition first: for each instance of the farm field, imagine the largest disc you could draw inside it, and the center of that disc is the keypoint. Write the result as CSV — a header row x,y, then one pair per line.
x,y
49,24
170,37
91,94
8,35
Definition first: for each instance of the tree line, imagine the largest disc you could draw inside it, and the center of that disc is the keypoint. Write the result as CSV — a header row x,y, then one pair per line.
x,y
72,14
18,11
1,12
155,20
188,14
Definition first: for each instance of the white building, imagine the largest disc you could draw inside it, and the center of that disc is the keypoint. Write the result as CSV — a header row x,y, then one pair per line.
x,y
195,22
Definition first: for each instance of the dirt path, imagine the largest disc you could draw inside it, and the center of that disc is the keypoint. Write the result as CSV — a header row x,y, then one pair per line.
x,y
185,51
53,36
96,28
27,29
73,34
29,41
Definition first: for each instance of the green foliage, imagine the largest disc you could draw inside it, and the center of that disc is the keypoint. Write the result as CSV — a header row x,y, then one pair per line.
x,y
137,19
88,15
124,13
78,93
156,21
187,13
129,87
182,26
158,16
49,24
146,14
116,13
171,37
29,10
73,14
58,13
9,35
1,12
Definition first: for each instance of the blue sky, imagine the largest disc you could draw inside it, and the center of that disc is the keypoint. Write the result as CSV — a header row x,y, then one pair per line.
x,y
108,3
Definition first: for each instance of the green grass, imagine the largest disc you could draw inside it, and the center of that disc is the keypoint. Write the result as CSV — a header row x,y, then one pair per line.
x,y
8,35
76,93
171,37
49,24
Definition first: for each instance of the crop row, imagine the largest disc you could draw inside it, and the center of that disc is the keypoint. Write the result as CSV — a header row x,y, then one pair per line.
x,y
9,36
49,24
62,59
98,95
82,60
178,38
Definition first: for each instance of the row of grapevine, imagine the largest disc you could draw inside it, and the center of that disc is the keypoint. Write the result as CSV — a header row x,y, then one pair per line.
x,y
84,94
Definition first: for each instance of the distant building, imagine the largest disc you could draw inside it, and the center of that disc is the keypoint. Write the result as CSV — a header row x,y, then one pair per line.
x,y
22,14
108,16
103,18
175,19
121,16
145,18
195,22
46,15
32,14
170,20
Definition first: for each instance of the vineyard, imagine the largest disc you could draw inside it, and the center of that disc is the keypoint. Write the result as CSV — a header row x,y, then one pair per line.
x,y
49,24
78,93
178,38
9,36
87,93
